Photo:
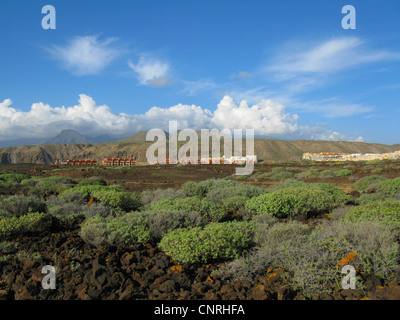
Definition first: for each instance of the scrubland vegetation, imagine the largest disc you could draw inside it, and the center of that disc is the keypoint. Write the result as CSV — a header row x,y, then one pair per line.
x,y
251,229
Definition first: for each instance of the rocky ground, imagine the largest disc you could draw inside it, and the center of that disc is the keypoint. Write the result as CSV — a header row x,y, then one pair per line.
x,y
142,272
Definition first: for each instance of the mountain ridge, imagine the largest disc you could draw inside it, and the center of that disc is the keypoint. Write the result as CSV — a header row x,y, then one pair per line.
x,y
265,149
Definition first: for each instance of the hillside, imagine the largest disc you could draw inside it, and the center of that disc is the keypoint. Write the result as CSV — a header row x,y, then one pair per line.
x,y
73,137
265,149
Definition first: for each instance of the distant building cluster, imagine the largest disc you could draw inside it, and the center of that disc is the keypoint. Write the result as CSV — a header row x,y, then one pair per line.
x,y
115,162
334,156
108,162
223,160
77,162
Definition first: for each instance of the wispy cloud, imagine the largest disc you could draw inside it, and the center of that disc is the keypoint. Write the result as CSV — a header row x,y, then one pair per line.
x,y
87,55
326,57
192,88
150,71
240,75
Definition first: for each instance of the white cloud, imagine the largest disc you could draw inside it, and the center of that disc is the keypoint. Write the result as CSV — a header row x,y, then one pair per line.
x,y
267,118
188,116
150,71
44,121
329,56
86,55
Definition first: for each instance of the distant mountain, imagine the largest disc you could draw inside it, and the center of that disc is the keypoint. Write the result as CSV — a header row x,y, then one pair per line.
x,y
137,137
74,137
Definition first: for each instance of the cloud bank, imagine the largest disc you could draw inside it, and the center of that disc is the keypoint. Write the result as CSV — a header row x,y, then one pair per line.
x,y
267,118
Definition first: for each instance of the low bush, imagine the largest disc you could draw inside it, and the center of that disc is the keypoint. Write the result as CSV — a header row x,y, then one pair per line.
x,y
148,196
311,257
343,173
191,189
234,203
31,222
275,232
364,183
377,170
13,177
368,198
64,209
211,211
162,222
386,211
290,202
53,185
18,205
93,181
308,174
217,195
327,174
282,175
339,196
127,229
117,199
389,186
288,183
86,192
213,242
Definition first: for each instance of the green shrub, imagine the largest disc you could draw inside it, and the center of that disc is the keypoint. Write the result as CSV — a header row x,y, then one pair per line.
x,y
290,202
377,170
387,212
148,196
161,222
28,182
94,231
282,175
117,199
18,205
277,231
191,189
31,222
53,185
327,174
127,229
240,189
65,209
339,196
215,241
93,181
364,183
13,177
234,202
369,198
389,187
288,183
343,173
86,191
308,174
209,210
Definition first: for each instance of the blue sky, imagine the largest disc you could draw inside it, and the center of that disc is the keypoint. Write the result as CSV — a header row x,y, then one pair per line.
x,y
286,68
